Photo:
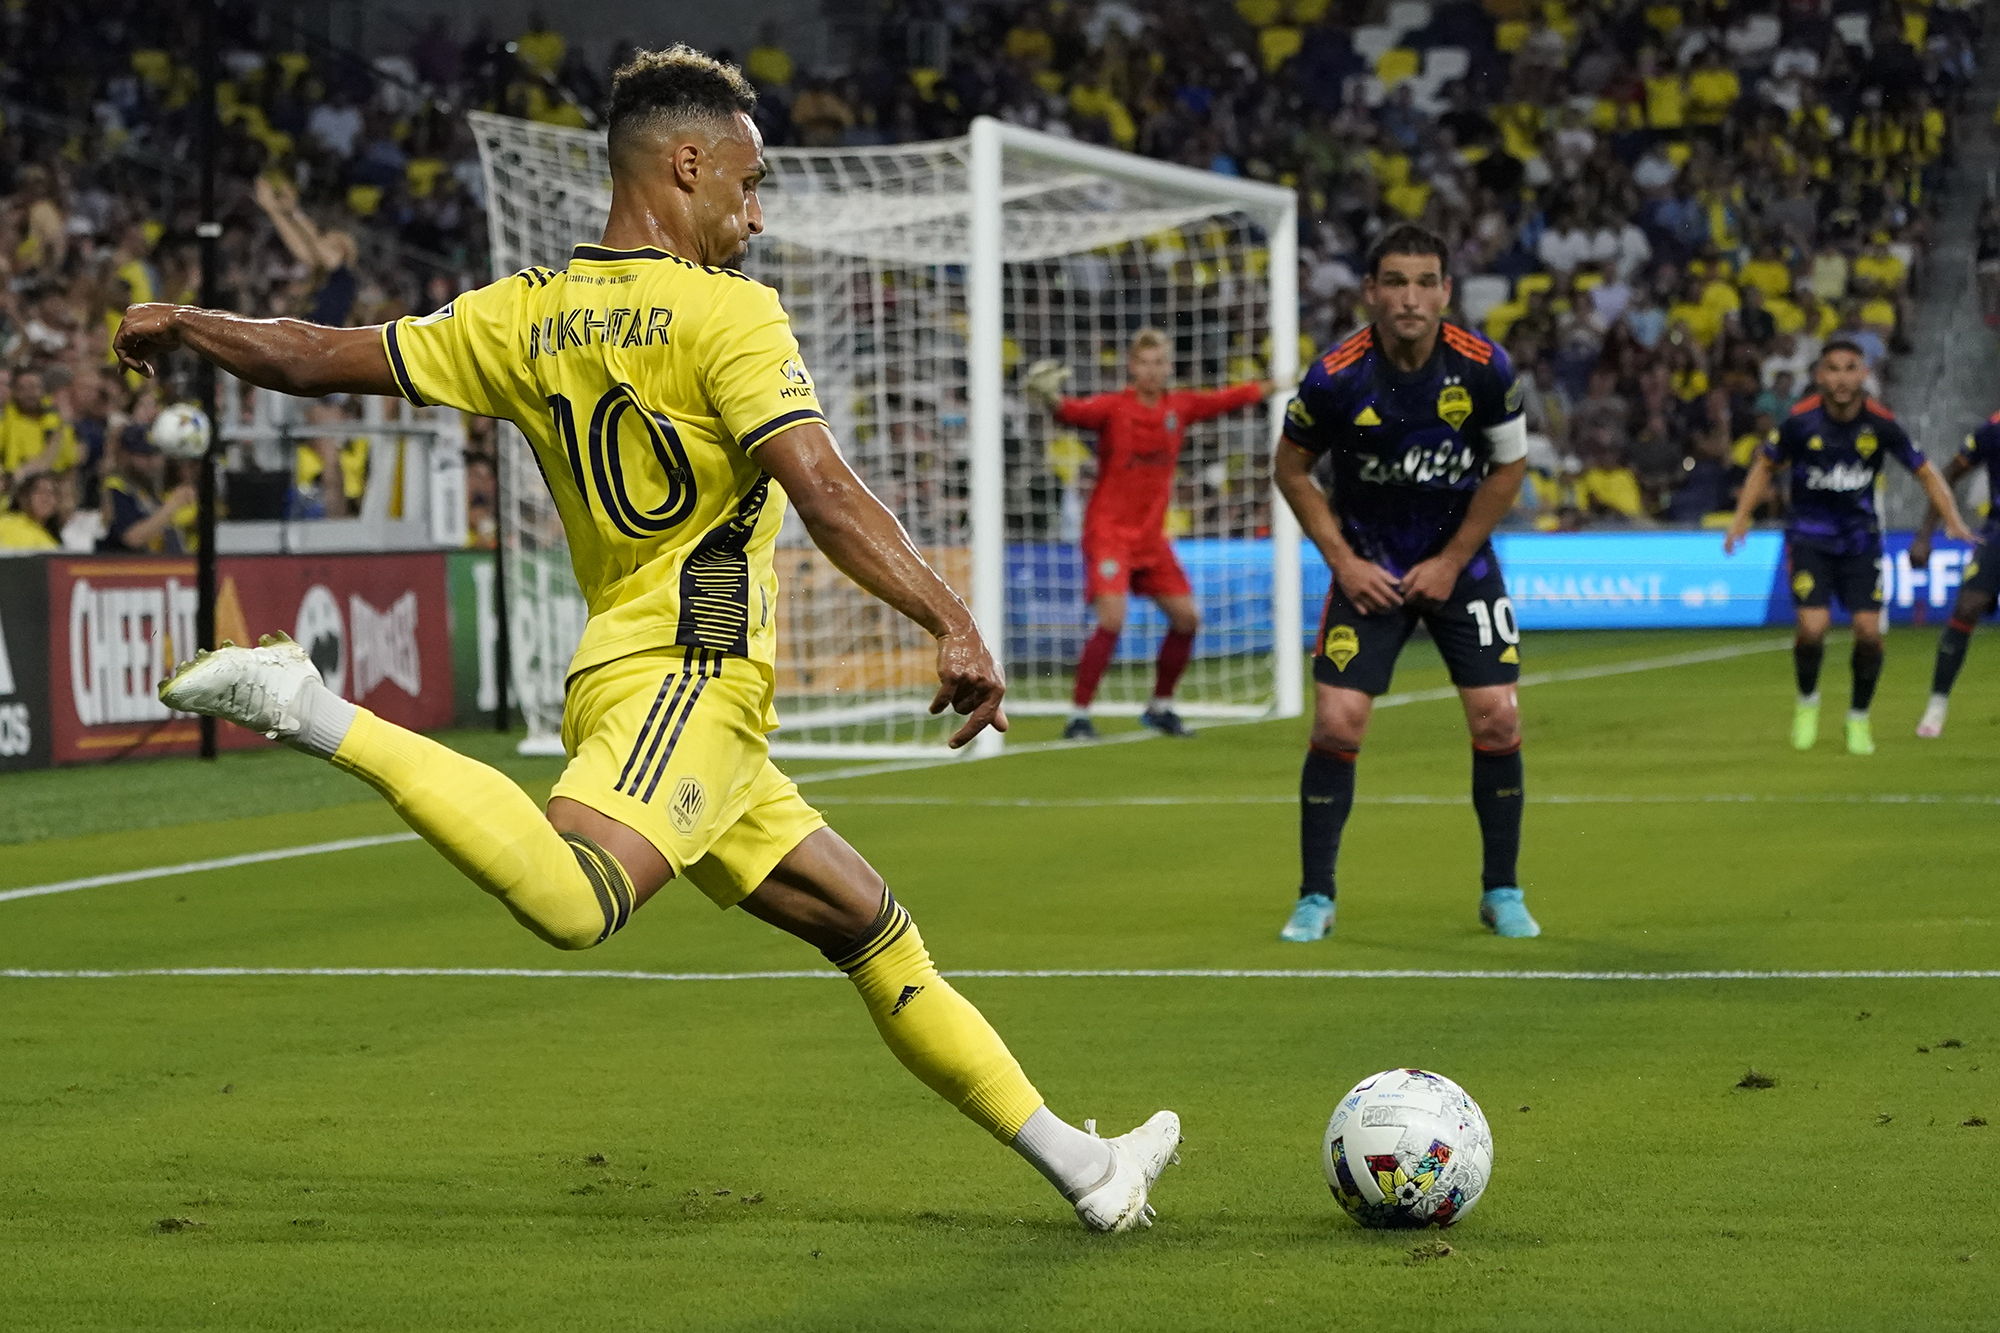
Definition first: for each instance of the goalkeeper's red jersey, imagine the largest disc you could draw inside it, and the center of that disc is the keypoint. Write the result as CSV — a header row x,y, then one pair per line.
x,y
1137,450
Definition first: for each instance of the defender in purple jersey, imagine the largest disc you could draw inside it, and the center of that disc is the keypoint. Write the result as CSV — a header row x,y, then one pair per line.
x,y
1419,423
1833,448
1980,587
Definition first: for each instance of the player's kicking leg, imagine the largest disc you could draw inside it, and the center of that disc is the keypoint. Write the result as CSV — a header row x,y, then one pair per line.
x,y
1109,609
1975,601
575,878
1183,622
827,895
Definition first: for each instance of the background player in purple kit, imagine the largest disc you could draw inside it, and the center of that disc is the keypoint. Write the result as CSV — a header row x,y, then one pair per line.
x,y
1981,587
1834,446
1420,423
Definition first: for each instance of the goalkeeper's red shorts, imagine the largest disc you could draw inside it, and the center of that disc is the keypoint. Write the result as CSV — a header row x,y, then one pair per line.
x,y
1120,564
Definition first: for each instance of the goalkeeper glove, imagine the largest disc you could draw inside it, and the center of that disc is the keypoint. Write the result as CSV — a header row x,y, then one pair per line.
x,y
1044,380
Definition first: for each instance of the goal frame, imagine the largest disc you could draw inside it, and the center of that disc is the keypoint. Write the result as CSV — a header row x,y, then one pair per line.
x,y
1275,208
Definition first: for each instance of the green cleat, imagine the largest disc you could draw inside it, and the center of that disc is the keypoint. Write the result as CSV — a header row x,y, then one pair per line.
x,y
1860,736
1805,725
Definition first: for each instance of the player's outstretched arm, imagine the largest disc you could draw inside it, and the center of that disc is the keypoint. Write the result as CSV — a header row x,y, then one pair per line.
x,y
1942,504
288,355
1920,543
1755,487
1369,586
868,545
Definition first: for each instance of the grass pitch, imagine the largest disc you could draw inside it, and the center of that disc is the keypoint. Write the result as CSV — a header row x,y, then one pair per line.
x,y
377,1152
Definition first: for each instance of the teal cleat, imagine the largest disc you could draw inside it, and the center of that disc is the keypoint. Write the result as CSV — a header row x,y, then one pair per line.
x,y
1311,920
1506,915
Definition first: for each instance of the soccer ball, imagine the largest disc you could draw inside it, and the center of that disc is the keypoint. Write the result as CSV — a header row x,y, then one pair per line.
x,y
1407,1148
180,431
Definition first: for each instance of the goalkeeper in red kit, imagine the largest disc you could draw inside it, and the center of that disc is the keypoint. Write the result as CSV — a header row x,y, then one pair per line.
x,y
1125,546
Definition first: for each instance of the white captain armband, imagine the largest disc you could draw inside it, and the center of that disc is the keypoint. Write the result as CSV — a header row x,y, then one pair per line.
x,y
1509,440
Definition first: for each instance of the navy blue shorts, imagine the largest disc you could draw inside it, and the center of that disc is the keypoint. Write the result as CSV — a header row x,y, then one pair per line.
x,y
1474,630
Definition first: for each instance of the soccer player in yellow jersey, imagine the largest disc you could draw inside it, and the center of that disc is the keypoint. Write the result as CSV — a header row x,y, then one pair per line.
x,y
670,412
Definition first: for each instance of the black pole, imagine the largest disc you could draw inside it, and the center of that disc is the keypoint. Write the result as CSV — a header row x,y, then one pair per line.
x,y
210,233
503,650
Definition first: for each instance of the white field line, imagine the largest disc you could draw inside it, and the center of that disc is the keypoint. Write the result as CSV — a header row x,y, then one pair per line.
x,y
1036,974
196,867
1290,798
1625,668
865,770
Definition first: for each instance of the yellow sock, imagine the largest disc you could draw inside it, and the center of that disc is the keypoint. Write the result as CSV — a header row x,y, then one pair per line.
x,y
564,887
934,1030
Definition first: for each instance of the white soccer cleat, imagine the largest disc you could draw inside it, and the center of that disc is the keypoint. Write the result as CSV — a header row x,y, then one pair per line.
x,y
1932,726
1118,1202
259,688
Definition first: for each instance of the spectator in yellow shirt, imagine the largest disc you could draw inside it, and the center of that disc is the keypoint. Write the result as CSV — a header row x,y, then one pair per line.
x,y
1702,320
26,526
33,435
1666,98
1877,264
1712,90
1768,273
769,65
540,48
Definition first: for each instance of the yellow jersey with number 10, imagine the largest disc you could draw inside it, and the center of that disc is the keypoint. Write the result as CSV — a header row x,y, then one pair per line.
x,y
645,384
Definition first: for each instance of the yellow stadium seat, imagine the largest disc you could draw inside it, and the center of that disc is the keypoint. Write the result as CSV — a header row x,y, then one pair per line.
x,y
363,200
1397,64
1678,152
1309,11
1512,35
1260,13
423,173
1530,283
1277,44
1409,200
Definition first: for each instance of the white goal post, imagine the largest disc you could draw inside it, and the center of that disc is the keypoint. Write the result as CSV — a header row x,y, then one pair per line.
x,y
921,280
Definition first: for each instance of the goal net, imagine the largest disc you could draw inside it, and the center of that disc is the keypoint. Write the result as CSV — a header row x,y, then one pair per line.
x,y
921,280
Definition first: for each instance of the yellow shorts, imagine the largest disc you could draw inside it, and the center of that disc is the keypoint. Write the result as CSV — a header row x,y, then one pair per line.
x,y
671,742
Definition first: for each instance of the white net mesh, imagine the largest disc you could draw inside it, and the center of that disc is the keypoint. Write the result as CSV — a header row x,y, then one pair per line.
x,y
867,249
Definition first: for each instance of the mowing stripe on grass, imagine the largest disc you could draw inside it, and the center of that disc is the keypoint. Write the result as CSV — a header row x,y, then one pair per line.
x,y
1624,668
195,867
1029,974
866,770
1058,803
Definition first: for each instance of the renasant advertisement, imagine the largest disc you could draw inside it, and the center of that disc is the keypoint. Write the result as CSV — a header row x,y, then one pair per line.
x,y
376,626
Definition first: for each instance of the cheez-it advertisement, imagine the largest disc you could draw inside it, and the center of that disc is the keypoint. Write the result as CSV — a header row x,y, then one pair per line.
x,y
376,626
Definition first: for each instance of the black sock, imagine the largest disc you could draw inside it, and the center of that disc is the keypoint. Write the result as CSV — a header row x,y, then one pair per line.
x,y
1805,665
1496,796
1951,655
1867,670
1326,796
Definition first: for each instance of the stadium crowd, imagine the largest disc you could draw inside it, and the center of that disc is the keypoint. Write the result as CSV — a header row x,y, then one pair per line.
x,y
1660,207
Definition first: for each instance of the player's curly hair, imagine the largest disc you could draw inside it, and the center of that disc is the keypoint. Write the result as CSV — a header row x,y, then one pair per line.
x,y
1407,238
676,85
